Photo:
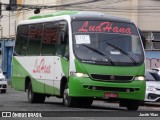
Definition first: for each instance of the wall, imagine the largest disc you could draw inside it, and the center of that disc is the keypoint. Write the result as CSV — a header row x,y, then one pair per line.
x,y
7,22
10,19
144,13
149,18
25,14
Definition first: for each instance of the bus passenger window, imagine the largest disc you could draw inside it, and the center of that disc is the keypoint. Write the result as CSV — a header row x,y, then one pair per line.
x,y
22,40
50,38
35,36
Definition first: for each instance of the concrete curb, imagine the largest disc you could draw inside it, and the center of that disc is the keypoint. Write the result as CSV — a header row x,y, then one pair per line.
x,y
151,104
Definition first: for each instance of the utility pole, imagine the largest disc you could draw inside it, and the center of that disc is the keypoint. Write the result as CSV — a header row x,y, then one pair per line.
x,y
0,9
1,28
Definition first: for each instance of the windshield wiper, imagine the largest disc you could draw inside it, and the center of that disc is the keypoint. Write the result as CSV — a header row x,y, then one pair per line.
x,y
122,51
100,53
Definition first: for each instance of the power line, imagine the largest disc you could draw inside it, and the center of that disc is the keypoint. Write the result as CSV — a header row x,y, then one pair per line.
x,y
23,7
52,6
81,3
123,12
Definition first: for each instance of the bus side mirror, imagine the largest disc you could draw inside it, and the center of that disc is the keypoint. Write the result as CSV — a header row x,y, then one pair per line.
x,y
143,40
66,57
142,37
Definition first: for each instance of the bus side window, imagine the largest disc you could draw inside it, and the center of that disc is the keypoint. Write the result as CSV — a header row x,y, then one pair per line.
x,y
66,52
21,40
35,36
50,38
62,44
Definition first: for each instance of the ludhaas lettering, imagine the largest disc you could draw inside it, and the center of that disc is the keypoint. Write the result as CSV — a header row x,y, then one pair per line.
x,y
41,67
104,27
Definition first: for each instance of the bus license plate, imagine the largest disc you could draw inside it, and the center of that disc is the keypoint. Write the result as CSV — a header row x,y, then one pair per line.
x,y
110,95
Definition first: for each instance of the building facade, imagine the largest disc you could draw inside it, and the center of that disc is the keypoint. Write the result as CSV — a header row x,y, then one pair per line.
x,y
144,13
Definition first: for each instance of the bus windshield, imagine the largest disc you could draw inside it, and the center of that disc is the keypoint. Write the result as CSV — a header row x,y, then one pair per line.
x,y
110,43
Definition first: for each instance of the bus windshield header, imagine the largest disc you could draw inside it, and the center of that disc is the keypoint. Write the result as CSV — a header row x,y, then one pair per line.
x,y
105,26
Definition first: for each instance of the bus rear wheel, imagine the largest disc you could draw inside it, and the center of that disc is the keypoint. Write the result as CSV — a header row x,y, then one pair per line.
x,y
34,97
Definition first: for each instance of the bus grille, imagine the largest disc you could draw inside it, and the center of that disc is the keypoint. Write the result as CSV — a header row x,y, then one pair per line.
x,y
115,89
111,77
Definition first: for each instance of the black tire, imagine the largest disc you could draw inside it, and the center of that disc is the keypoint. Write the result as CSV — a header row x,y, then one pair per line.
x,y
34,97
133,105
3,91
67,100
41,98
83,102
88,102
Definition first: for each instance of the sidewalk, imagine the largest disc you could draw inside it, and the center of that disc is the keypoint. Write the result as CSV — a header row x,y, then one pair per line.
x,y
151,104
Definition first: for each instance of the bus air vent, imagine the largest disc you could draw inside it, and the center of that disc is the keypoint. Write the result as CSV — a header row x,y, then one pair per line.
x,y
111,77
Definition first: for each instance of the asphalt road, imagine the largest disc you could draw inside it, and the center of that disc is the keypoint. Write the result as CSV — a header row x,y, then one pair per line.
x,y
16,102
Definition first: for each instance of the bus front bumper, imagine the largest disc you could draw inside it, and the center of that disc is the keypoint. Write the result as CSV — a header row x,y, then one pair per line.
x,y
86,87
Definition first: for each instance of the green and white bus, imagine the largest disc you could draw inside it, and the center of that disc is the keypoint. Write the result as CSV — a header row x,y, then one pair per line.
x,y
80,57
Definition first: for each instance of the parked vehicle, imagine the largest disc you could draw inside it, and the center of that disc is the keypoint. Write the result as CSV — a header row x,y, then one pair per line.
x,y
152,86
3,82
157,70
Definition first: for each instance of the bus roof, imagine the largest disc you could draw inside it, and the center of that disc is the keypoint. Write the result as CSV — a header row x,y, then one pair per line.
x,y
58,13
81,15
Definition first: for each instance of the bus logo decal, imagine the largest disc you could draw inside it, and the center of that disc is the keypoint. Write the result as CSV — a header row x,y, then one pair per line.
x,y
41,67
112,77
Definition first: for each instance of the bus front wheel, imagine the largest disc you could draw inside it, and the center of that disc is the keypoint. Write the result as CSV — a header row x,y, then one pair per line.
x,y
34,97
85,101
67,100
133,105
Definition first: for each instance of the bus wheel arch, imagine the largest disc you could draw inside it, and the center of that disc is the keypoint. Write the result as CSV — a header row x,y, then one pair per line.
x,y
67,100
64,81
27,82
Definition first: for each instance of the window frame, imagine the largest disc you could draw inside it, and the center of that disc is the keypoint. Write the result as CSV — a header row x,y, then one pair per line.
x,y
43,26
17,36
39,39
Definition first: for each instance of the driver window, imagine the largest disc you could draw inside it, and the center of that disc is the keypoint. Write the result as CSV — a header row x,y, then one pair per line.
x,y
61,47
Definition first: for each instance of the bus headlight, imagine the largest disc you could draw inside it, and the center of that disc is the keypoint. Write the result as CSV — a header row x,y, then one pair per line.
x,y
139,78
79,74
